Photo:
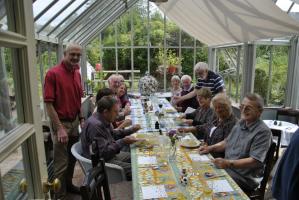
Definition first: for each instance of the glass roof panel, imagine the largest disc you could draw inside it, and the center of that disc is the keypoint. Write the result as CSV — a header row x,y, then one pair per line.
x,y
40,5
51,12
62,16
284,4
66,12
72,17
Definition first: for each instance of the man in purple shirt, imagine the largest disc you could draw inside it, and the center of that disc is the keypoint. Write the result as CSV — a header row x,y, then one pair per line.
x,y
110,141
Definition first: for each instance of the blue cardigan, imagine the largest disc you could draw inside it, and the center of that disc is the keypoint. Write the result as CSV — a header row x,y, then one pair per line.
x,y
286,180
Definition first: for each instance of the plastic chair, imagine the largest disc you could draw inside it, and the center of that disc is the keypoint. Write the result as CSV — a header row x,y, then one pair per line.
x,y
260,192
115,173
94,182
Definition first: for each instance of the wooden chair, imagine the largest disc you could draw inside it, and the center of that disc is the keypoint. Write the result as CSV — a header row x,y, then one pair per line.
x,y
276,134
260,192
94,182
288,112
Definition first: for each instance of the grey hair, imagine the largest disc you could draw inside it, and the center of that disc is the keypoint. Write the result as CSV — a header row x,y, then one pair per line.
x,y
71,46
259,101
201,65
111,77
186,77
223,100
106,103
175,77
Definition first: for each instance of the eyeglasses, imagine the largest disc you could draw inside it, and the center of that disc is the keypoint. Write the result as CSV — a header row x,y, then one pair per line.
x,y
75,54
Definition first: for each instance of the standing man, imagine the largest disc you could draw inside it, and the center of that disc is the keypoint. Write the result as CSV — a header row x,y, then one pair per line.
x,y
62,96
206,78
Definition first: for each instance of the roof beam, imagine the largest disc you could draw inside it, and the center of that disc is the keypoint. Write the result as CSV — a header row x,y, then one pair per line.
x,y
56,15
101,26
44,10
67,17
103,14
72,26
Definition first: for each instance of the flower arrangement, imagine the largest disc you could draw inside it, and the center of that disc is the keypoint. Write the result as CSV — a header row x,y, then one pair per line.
x,y
173,138
147,85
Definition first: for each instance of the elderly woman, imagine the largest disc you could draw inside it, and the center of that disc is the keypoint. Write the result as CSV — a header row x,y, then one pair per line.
x,y
121,92
176,89
220,128
186,82
202,116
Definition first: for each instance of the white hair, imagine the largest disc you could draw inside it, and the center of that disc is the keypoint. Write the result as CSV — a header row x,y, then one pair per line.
x,y
175,77
186,77
112,77
72,45
201,65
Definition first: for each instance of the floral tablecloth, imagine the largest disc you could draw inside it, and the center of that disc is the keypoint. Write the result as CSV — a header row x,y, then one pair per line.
x,y
167,172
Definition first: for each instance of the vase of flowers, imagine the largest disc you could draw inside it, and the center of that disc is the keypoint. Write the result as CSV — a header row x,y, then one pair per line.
x,y
173,138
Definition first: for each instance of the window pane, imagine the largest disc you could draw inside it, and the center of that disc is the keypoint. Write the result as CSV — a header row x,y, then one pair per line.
x,y
156,26
12,172
124,30
140,23
187,40
40,5
7,17
279,75
187,62
51,12
284,4
271,83
8,111
172,34
108,36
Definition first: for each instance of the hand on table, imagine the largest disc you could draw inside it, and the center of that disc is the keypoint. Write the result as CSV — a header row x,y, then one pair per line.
x,y
130,139
204,149
221,163
136,127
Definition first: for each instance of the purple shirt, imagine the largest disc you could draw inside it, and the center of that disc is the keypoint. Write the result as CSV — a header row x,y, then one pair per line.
x,y
108,139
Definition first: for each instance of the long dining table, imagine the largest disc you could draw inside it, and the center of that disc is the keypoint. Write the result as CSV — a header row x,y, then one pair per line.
x,y
158,167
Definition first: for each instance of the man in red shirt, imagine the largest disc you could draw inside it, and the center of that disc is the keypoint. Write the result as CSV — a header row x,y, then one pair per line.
x,y
62,96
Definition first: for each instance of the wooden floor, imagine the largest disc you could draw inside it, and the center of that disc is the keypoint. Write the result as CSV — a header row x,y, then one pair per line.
x,y
119,191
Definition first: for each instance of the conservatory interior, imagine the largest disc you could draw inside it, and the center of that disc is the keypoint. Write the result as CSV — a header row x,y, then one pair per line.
x,y
252,44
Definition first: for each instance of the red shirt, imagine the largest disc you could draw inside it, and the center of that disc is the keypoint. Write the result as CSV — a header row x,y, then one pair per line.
x,y
63,88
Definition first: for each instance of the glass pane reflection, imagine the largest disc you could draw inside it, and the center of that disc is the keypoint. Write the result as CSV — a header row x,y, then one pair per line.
x,y
8,111
12,172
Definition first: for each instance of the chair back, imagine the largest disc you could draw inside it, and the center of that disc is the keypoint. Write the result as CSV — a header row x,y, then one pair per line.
x,y
269,165
95,182
288,112
277,136
115,173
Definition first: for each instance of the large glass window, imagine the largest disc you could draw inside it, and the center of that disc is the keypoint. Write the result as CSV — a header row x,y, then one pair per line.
x,y
147,55
271,73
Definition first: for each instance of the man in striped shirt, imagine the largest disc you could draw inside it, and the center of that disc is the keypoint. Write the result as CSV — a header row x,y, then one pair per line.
x,y
206,78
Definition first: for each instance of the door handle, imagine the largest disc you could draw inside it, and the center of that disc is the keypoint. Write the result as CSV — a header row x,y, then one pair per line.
x,y
23,185
54,186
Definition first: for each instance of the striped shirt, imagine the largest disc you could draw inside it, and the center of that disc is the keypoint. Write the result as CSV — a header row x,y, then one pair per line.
x,y
214,82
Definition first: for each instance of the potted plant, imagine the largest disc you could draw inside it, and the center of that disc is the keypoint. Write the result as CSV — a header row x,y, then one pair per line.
x,y
173,62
